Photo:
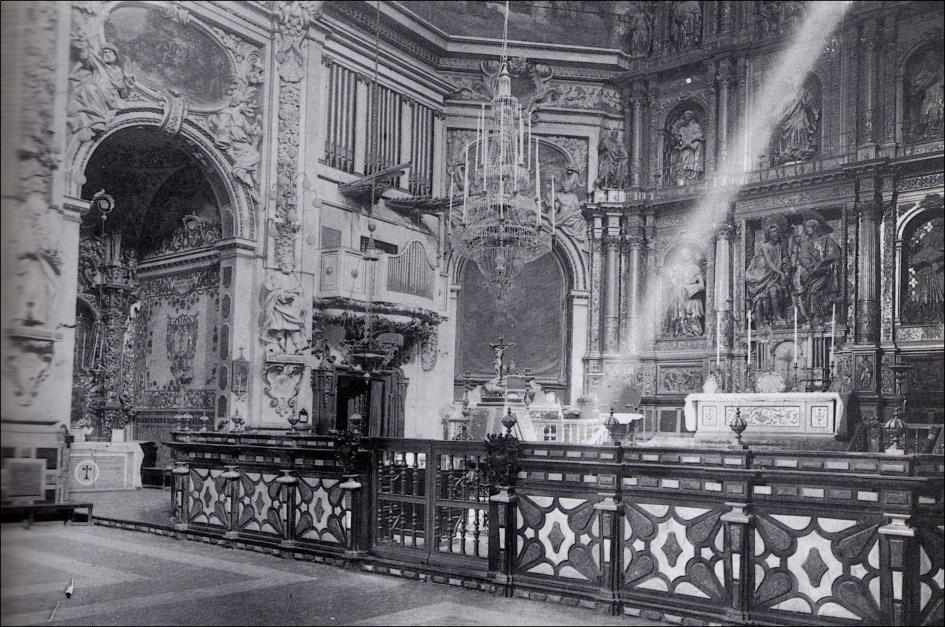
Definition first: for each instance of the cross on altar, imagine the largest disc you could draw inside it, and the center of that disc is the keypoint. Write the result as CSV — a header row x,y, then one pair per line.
x,y
499,362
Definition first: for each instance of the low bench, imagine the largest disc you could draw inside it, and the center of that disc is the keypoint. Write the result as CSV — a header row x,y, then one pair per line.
x,y
30,511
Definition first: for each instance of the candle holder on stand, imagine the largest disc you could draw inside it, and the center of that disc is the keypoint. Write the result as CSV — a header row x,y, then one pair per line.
x,y
896,426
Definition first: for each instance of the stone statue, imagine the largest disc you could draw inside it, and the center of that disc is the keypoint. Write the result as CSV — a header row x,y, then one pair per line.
x,y
797,131
99,87
686,26
236,131
927,85
611,161
283,320
686,313
778,15
815,268
640,36
39,266
926,301
567,208
767,278
687,159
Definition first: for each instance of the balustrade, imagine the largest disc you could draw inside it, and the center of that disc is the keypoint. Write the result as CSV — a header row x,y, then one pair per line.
x,y
716,534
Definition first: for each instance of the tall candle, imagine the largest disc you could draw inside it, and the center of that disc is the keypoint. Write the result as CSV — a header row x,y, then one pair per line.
x,y
521,140
718,339
749,336
833,330
529,141
466,184
537,175
449,219
478,139
552,205
796,345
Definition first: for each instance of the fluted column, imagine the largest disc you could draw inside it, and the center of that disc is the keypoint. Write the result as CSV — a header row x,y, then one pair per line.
x,y
612,293
722,286
634,240
867,271
636,143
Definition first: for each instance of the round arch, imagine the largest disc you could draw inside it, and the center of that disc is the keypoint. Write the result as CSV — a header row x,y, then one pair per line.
x,y
235,201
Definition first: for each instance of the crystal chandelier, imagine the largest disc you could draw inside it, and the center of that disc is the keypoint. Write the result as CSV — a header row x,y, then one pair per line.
x,y
501,227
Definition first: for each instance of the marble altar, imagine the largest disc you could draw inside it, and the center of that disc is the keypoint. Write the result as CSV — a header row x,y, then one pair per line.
x,y
100,466
769,415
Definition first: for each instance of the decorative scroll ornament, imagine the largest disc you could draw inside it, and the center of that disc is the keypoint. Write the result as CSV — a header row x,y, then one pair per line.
x,y
182,346
291,28
283,382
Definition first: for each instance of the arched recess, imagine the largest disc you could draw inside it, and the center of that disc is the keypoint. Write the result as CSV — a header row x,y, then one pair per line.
x,y
919,264
799,132
539,320
682,290
919,90
685,131
237,205
151,269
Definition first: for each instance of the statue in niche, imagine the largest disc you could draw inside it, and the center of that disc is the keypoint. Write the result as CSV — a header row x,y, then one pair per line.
x,y
816,274
39,266
767,278
778,15
926,87
797,132
687,153
686,25
639,37
611,161
99,87
686,312
283,320
926,300
567,208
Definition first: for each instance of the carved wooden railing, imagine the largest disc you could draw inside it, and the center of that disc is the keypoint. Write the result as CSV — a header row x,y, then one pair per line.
x,y
717,535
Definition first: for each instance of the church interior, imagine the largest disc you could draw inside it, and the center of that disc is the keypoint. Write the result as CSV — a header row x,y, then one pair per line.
x,y
639,305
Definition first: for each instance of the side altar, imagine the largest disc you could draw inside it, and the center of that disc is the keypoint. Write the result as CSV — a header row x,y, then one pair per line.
x,y
769,416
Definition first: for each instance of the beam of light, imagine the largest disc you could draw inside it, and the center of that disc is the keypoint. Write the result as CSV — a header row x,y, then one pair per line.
x,y
751,137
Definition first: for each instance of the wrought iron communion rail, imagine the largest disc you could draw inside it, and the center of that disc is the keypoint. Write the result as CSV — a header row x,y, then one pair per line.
x,y
731,535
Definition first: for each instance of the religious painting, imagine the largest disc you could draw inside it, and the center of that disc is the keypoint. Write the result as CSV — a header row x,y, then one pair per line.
x,y
923,93
923,283
164,54
534,322
684,145
684,311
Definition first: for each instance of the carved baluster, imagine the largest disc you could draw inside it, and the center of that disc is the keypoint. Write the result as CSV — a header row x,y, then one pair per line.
x,y
739,573
899,559
181,474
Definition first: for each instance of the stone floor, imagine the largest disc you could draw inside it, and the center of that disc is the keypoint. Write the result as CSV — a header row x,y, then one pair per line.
x,y
129,578
150,505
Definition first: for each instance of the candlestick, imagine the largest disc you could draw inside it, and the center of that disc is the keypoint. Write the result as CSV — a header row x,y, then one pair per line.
x,y
718,339
833,329
449,220
749,336
529,140
796,345
466,184
552,205
537,174
521,140
479,122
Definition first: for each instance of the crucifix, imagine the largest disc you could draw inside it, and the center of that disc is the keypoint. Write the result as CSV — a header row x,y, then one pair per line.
x,y
499,362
